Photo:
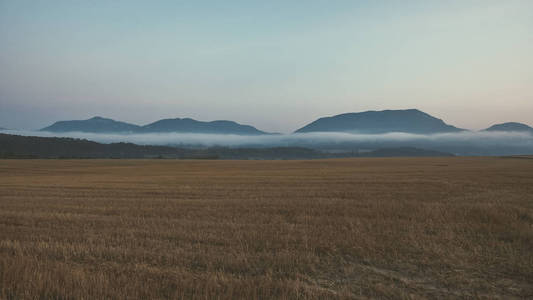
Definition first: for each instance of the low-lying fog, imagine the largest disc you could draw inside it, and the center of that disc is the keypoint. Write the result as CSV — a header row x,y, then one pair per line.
x,y
466,143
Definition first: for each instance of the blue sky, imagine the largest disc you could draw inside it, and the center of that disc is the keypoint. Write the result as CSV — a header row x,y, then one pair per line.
x,y
273,64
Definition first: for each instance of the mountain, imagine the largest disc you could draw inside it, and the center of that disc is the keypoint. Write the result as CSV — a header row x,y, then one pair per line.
x,y
373,122
188,125
510,126
94,125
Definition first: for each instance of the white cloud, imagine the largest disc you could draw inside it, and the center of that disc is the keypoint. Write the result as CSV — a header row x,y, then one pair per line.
x,y
318,139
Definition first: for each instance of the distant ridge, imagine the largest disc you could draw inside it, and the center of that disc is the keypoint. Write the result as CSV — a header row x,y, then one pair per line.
x,y
374,122
16,146
510,126
186,125
368,122
94,125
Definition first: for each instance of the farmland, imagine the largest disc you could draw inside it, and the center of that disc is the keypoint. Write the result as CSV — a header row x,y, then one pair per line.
x,y
340,228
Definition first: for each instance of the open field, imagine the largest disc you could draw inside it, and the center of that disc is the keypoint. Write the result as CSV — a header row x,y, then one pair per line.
x,y
347,228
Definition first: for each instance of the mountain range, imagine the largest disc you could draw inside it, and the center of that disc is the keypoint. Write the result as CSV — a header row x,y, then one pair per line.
x,y
186,125
370,122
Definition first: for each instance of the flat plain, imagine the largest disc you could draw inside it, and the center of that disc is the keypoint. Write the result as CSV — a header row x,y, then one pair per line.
x,y
348,228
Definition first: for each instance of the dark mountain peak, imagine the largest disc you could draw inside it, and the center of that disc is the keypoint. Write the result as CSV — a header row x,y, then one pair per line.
x,y
372,122
389,113
94,125
223,122
510,126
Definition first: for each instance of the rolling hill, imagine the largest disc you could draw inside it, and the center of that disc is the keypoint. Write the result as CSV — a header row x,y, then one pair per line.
x,y
510,127
188,125
93,125
375,122
185,125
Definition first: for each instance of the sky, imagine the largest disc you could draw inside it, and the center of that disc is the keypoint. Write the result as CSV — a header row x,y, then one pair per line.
x,y
276,65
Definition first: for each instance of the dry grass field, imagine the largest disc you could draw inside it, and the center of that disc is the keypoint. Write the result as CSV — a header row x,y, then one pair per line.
x,y
348,228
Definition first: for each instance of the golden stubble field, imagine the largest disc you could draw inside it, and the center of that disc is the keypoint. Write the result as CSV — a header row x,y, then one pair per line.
x,y
348,228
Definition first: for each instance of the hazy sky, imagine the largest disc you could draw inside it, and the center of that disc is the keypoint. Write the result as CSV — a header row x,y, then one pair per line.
x,y
276,65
